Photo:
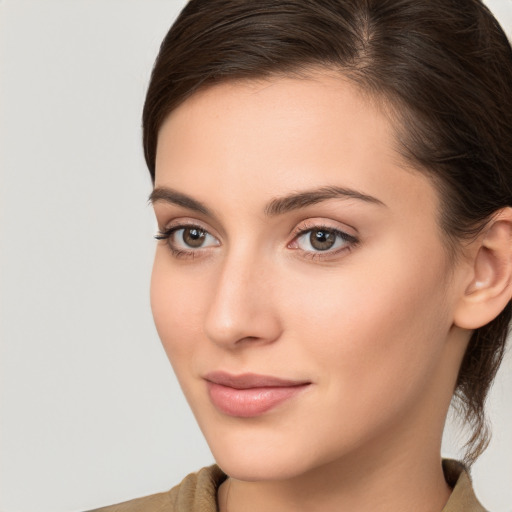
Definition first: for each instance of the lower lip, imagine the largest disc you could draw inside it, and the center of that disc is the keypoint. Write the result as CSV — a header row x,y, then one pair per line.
x,y
247,403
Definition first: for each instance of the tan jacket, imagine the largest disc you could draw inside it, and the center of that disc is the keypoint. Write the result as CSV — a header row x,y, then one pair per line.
x,y
198,493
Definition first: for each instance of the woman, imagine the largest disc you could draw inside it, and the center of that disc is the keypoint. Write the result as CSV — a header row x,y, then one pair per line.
x,y
333,190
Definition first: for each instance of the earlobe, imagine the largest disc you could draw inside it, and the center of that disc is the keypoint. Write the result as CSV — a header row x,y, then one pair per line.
x,y
490,288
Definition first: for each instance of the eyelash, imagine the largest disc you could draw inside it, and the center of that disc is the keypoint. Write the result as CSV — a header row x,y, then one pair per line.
x,y
351,241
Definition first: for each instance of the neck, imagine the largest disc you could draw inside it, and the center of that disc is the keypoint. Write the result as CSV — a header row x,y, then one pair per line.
x,y
361,483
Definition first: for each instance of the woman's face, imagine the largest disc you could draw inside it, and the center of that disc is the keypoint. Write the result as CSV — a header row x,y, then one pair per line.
x,y
301,289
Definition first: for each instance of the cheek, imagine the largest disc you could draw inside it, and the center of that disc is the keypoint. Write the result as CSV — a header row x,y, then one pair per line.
x,y
377,323
176,307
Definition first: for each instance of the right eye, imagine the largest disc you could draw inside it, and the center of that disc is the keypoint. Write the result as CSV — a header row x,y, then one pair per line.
x,y
186,240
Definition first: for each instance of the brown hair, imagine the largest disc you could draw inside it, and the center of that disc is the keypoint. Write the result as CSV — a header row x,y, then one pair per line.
x,y
445,66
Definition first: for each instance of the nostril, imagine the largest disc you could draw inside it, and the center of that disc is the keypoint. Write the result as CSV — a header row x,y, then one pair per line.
x,y
249,339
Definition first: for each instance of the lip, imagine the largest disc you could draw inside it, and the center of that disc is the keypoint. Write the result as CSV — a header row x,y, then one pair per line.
x,y
249,395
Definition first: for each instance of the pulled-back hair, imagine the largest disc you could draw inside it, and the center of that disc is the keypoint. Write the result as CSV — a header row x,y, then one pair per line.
x,y
444,66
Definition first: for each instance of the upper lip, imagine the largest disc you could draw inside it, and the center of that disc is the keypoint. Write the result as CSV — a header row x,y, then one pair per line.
x,y
251,380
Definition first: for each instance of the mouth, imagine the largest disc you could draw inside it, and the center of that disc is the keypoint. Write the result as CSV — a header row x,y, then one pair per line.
x,y
249,395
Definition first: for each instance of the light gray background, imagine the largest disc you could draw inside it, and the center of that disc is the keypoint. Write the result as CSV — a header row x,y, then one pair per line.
x,y
90,412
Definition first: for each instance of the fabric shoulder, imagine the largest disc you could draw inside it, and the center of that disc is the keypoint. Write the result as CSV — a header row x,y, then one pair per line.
x,y
463,498
196,493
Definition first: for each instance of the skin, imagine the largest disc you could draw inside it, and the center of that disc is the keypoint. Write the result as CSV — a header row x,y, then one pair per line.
x,y
372,327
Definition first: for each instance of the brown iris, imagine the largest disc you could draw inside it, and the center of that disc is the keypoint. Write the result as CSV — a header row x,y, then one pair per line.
x,y
322,239
194,237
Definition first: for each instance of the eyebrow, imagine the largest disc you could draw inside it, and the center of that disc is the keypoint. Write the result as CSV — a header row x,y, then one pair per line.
x,y
299,200
168,195
277,206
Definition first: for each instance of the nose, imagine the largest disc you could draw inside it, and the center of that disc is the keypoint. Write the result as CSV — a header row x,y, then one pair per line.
x,y
241,308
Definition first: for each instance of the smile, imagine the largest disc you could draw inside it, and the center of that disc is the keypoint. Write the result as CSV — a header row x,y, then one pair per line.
x,y
250,395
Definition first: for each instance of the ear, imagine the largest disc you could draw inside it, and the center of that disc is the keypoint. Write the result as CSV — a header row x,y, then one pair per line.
x,y
490,286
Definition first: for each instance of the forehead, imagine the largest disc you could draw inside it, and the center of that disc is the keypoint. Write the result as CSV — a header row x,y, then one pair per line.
x,y
284,133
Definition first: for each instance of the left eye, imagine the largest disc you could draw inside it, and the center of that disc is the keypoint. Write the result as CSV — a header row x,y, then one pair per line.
x,y
323,239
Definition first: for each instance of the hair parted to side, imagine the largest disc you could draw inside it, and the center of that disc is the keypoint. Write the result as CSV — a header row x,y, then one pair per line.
x,y
444,66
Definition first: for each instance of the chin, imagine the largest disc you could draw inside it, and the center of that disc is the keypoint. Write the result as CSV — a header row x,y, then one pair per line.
x,y
257,468
264,454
